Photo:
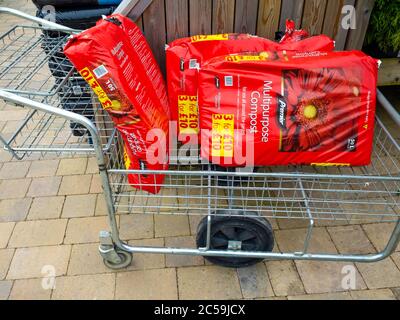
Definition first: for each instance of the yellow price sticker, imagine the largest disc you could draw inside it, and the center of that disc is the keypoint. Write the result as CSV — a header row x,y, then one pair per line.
x,y
97,89
223,135
239,58
188,121
213,37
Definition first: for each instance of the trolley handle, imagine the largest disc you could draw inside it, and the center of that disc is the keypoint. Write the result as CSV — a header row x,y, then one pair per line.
x,y
89,125
389,108
51,25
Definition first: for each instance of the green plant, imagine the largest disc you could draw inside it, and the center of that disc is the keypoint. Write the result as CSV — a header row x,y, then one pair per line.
x,y
384,28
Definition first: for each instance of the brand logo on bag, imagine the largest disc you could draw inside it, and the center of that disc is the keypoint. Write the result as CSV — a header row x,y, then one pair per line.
x,y
282,112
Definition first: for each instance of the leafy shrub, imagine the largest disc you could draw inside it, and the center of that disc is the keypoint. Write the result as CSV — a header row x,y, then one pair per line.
x,y
384,28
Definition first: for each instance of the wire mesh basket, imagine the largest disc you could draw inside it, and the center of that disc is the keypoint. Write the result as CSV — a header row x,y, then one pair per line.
x,y
348,194
32,65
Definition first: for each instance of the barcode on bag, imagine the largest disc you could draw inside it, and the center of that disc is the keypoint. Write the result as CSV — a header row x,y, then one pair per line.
x,y
228,81
100,72
193,64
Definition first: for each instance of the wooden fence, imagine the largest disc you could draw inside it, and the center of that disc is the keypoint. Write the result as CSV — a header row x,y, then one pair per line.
x,y
162,21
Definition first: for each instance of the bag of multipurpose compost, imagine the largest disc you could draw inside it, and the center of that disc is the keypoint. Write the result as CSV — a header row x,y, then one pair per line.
x,y
290,109
110,57
185,56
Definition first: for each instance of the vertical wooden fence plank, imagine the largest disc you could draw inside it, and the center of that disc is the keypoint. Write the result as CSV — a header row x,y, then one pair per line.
x,y
223,16
291,9
200,17
268,18
332,17
177,19
154,29
313,16
333,22
246,16
355,39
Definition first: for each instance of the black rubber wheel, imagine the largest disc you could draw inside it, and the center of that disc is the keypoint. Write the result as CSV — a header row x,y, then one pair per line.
x,y
126,261
254,234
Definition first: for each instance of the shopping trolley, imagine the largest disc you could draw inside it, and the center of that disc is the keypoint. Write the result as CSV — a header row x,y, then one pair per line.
x,y
235,208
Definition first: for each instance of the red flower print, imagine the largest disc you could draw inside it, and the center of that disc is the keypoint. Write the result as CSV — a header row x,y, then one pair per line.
x,y
321,109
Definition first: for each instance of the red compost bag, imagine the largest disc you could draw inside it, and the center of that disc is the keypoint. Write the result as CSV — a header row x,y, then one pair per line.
x,y
292,109
185,56
115,60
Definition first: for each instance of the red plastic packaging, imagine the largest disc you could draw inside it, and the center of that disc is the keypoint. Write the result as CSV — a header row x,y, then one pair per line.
x,y
293,35
185,56
114,58
297,108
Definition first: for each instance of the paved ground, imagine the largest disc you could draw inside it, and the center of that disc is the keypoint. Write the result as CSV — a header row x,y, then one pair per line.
x,y
52,210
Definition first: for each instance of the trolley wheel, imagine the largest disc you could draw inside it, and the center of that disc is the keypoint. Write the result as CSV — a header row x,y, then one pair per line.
x,y
251,234
126,261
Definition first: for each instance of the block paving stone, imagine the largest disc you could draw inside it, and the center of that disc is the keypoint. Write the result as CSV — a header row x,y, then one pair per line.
x,y
317,277
14,170
138,226
85,287
43,168
254,282
381,294
5,233
158,284
30,289
14,188
383,274
171,226
208,283
38,233
72,185
29,263
182,261
13,210
379,234
148,261
85,230
5,289
284,278
5,259
46,208
44,187
72,166
78,206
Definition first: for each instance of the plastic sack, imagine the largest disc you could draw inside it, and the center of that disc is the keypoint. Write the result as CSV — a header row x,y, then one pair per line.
x,y
113,67
185,56
293,35
292,109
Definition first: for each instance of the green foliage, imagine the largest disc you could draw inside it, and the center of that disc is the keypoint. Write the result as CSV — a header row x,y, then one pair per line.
x,y
384,28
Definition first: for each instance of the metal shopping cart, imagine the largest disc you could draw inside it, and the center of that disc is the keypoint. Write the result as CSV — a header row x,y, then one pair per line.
x,y
234,208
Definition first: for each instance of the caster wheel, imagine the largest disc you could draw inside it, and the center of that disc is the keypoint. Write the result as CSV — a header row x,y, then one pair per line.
x,y
126,261
242,233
